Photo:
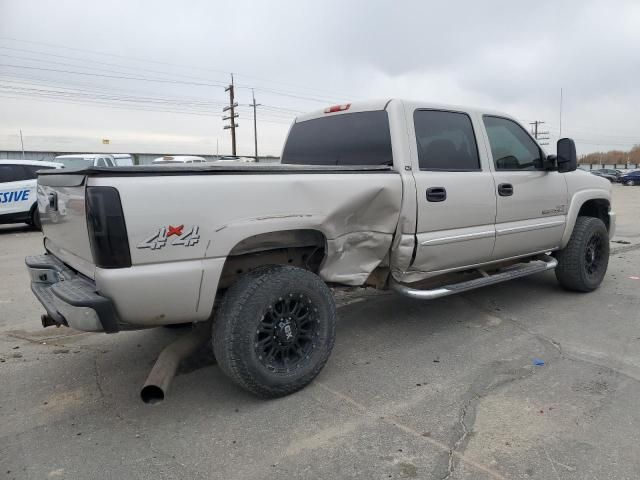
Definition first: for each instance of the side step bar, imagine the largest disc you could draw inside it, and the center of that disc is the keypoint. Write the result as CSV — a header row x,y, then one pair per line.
x,y
542,264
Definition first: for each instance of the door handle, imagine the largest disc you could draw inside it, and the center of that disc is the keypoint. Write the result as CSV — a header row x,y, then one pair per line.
x,y
436,194
505,189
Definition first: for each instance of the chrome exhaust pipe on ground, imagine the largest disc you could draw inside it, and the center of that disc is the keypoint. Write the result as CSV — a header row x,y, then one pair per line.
x,y
157,385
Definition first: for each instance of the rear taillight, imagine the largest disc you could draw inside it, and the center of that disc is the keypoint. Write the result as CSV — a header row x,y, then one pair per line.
x,y
107,230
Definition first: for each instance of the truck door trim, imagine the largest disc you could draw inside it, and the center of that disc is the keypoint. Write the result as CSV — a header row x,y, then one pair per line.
x,y
459,238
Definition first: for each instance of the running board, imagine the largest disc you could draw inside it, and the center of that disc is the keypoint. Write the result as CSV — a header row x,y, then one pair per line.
x,y
542,264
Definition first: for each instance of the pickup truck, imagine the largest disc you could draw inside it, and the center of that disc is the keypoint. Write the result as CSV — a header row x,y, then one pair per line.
x,y
427,200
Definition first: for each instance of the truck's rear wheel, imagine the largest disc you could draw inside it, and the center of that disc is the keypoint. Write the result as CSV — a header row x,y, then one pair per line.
x,y
274,330
583,263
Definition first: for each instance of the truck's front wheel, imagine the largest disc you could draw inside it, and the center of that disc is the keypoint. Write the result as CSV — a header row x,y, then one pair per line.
x,y
583,263
274,330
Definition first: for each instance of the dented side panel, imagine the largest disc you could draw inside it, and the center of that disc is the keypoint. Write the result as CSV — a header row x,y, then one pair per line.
x,y
185,221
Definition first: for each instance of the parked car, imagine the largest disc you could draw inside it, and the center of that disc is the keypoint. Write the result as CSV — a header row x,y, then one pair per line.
x,y
608,176
385,194
18,199
613,172
83,160
168,159
631,178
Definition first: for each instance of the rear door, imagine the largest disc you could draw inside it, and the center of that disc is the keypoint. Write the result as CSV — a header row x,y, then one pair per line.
x,y
17,190
532,202
455,191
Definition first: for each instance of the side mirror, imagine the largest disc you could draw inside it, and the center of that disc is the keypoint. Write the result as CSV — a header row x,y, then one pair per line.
x,y
567,159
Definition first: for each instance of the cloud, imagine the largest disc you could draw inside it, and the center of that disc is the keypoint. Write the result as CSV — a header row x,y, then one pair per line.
x,y
302,56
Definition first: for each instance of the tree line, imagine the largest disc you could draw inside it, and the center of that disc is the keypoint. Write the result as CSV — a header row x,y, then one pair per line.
x,y
613,157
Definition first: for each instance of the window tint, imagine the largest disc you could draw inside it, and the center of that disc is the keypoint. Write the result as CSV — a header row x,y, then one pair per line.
x,y
8,173
511,146
445,141
101,162
349,139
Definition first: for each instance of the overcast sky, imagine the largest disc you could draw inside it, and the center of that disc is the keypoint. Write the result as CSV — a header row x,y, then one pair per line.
x,y
149,76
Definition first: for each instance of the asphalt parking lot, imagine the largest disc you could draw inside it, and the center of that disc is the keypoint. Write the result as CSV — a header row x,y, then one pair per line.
x,y
432,390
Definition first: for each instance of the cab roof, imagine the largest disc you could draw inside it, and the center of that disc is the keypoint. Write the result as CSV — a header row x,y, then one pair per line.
x,y
382,104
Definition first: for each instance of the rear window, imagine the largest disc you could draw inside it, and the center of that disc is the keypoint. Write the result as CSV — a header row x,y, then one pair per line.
x,y
361,138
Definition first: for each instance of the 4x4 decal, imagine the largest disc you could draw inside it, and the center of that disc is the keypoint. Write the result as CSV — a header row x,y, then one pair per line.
x,y
182,237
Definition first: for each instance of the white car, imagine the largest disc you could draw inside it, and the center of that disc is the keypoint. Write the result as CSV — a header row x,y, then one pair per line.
x,y
178,159
18,199
82,160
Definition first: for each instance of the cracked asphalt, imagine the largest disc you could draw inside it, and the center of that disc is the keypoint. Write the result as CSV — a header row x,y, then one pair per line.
x,y
444,389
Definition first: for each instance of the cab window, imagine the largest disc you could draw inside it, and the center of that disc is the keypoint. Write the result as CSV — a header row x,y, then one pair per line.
x,y
445,141
101,162
511,146
360,138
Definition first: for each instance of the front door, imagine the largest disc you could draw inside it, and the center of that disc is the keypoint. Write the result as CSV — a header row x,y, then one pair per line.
x,y
532,202
456,195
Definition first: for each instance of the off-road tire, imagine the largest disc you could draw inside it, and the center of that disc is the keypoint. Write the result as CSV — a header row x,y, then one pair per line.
x,y
249,304
576,270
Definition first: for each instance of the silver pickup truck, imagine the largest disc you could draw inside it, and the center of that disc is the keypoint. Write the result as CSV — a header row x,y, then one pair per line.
x,y
427,200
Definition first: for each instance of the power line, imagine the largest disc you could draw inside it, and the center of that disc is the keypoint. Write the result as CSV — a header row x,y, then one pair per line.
x,y
146,79
138,59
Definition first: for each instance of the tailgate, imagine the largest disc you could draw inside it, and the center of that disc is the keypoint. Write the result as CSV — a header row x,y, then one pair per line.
x,y
61,202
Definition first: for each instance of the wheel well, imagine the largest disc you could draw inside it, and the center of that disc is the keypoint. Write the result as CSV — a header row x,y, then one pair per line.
x,y
598,208
300,248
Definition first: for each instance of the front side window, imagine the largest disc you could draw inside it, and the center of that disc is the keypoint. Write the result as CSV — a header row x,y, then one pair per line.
x,y
511,146
445,141
361,138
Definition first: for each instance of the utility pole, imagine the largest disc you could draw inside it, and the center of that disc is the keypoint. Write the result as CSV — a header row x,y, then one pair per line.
x,y
255,124
560,112
22,143
232,116
538,135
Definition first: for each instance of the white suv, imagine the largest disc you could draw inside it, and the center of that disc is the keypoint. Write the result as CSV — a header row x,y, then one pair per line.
x,y
18,199
83,160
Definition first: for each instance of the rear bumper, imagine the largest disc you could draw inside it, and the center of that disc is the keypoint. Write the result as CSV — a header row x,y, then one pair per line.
x,y
69,298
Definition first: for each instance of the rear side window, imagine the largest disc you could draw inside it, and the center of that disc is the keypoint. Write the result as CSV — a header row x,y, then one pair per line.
x,y
361,138
8,173
16,173
32,169
445,141
511,146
